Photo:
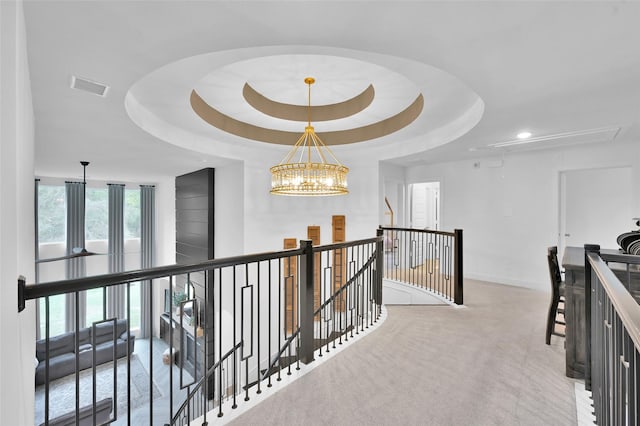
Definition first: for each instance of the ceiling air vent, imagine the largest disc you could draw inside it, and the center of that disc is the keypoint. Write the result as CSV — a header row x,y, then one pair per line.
x,y
604,134
89,86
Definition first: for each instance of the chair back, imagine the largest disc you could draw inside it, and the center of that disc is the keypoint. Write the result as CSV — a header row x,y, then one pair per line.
x,y
554,270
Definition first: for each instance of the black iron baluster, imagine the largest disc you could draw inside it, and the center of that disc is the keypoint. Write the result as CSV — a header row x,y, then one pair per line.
x,y
334,321
297,311
246,360
363,304
220,342
299,304
77,355
171,350
269,326
259,391
235,373
321,314
150,322
47,332
128,354
328,308
290,293
280,284
207,355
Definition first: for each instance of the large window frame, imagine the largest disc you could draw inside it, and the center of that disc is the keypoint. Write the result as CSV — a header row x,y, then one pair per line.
x,y
52,243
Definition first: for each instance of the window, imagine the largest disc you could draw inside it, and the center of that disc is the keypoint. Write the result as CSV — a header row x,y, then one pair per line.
x,y
97,214
131,213
56,316
52,211
52,234
52,214
134,321
94,305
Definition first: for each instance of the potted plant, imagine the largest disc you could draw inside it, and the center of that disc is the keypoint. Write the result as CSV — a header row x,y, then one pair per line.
x,y
178,298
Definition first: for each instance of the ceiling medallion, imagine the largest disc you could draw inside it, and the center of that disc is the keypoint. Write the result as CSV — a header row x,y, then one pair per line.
x,y
315,176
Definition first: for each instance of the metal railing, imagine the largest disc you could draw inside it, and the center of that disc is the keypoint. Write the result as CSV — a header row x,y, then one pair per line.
x,y
254,318
331,307
427,259
612,365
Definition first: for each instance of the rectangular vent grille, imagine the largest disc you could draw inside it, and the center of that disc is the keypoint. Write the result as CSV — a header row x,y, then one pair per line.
x,y
89,86
605,134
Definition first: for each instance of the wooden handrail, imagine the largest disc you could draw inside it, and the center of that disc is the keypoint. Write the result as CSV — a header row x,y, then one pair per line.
x,y
426,231
625,305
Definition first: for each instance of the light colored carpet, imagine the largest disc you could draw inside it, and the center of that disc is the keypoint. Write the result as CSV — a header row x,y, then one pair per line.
x,y
485,364
62,392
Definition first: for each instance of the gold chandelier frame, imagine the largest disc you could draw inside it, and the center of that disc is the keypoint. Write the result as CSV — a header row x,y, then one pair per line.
x,y
312,174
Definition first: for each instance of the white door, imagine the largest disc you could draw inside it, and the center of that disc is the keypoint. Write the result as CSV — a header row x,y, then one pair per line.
x,y
425,205
595,207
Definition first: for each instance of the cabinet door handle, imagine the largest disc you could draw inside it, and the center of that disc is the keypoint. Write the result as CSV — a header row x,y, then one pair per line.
x,y
567,235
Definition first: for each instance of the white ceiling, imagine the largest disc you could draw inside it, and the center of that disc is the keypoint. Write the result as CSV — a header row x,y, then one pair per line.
x,y
550,67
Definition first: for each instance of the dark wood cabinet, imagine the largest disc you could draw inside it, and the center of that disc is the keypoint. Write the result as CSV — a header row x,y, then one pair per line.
x,y
186,344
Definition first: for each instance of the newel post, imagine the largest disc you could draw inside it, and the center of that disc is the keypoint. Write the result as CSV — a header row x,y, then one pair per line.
x,y
379,266
22,283
588,271
306,302
458,298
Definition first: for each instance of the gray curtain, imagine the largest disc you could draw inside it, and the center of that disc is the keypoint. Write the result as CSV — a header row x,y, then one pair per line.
x,y
116,294
147,255
75,268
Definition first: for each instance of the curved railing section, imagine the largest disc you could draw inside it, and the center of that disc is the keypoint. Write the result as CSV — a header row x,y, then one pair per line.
x,y
612,365
428,259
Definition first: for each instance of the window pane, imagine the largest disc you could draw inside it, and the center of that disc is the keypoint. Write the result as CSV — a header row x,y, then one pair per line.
x,y
135,306
131,213
51,214
97,214
56,315
94,305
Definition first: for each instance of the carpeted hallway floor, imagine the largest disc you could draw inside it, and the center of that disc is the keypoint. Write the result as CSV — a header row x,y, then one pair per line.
x,y
485,364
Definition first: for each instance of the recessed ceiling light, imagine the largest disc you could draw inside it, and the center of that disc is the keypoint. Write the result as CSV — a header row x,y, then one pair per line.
x,y
524,135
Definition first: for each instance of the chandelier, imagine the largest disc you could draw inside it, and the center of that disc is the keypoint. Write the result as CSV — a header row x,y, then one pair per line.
x,y
312,174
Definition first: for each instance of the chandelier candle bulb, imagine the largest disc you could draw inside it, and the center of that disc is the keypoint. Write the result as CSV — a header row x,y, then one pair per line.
x,y
316,176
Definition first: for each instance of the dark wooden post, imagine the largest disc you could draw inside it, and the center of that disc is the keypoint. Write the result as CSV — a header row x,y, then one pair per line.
x,y
458,298
588,248
306,302
22,283
379,265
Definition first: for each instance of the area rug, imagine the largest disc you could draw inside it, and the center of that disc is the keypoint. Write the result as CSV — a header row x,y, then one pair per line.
x,y
62,392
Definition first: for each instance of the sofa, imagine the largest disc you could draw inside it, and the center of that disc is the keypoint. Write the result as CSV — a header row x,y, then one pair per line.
x,y
62,353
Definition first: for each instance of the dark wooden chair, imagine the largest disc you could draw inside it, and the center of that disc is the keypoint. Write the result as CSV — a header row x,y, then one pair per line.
x,y
557,295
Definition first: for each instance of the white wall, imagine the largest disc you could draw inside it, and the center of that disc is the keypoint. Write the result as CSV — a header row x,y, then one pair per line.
x,y
17,331
166,221
229,210
392,186
509,214
271,218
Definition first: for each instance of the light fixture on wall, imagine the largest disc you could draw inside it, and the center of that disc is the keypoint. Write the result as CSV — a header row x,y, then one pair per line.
x,y
312,174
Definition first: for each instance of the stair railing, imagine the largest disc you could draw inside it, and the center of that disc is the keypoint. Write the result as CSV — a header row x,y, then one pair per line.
x,y
425,258
238,323
612,337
